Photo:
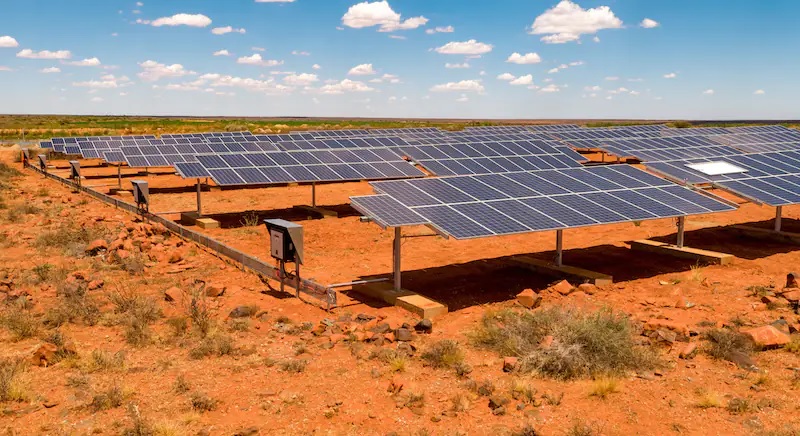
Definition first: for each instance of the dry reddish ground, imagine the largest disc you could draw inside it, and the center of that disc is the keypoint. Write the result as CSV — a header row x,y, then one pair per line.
x,y
469,276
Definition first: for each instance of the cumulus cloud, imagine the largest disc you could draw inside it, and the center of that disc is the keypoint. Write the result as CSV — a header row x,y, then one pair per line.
x,y
344,86
303,79
567,21
8,42
522,80
759,92
108,81
670,75
526,59
227,29
564,67
362,70
506,76
440,29
380,14
153,71
708,92
462,86
649,24
463,98
471,47
387,78
300,53
269,86
191,20
222,53
92,62
316,67
456,66
256,59
51,70
44,54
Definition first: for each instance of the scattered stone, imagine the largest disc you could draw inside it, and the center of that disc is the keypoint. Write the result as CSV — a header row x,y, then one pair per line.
x,y
49,404
563,287
424,326
498,401
172,294
95,284
688,351
587,288
363,317
794,328
243,312
677,327
664,336
500,411
529,299
742,360
214,290
781,325
510,364
335,338
403,334
792,296
682,303
436,418
767,337
95,247
791,280
381,328
44,355
405,347
319,329
252,431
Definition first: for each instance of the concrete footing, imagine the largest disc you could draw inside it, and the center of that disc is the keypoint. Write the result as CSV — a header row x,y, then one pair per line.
x,y
207,223
760,233
414,303
189,218
711,257
549,269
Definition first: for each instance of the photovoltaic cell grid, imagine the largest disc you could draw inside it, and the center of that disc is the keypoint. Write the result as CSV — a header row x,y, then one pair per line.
x,y
770,178
467,207
299,166
338,143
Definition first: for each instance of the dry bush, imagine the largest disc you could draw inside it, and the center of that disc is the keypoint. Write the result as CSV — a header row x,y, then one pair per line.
x,y
443,354
295,366
460,402
709,400
179,325
12,387
72,238
101,360
47,273
138,313
19,320
78,381
794,345
181,385
74,303
603,387
239,325
523,391
201,311
202,402
110,398
585,344
141,427
526,430
580,428
739,406
723,342
216,344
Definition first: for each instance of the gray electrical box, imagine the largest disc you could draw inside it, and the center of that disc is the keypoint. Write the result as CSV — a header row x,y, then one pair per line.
x,y
141,193
43,162
285,240
75,167
26,155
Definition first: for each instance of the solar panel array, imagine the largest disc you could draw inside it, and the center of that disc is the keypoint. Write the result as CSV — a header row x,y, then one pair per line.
x,y
467,207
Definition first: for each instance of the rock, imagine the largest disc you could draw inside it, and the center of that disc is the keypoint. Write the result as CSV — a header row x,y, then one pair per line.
x,y
677,327
510,364
252,431
405,347
243,312
688,351
175,257
587,288
546,342
529,299
791,280
363,317
96,246
336,338
781,325
214,290
563,287
123,254
681,303
794,328
498,401
95,284
500,411
381,328
424,326
172,294
403,334
767,337
78,275
389,337
49,404
319,330
664,336
792,296
44,355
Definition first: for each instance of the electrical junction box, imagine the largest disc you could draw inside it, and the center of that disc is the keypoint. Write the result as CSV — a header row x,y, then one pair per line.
x,y
285,240
141,192
43,162
75,166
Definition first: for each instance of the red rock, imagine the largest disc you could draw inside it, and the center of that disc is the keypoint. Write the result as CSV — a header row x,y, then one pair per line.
x,y
360,336
688,351
769,300
78,275
175,257
96,284
127,245
546,342
587,288
767,337
96,247
122,235
123,254
794,328
563,287
44,355
172,294
529,299
389,337
510,364
319,330
369,325
677,327
681,303
793,296
214,290
791,280
337,338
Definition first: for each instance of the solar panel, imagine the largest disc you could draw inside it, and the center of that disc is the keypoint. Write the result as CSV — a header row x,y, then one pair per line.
x,y
467,207
386,211
191,170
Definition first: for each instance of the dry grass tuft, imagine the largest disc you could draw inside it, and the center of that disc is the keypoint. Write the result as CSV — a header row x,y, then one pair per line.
x,y
443,354
709,400
295,366
12,387
722,343
19,320
110,398
202,402
74,303
215,344
740,406
603,387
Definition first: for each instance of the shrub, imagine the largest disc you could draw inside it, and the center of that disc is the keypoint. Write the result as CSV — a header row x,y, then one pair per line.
x,y
460,402
739,406
202,402
709,400
181,385
19,320
179,325
584,344
111,398
105,361
443,354
293,365
201,312
604,387
74,303
48,273
11,386
522,391
723,342
139,312
216,344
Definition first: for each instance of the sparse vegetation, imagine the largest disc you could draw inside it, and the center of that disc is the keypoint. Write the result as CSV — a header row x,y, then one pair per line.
x,y
110,398
603,387
74,303
581,428
526,430
12,387
709,400
739,406
216,344
460,402
137,312
202,402
584,344
101,360
293,365
723,342
181,385
19,320
523,391
794,345
71,238
443,354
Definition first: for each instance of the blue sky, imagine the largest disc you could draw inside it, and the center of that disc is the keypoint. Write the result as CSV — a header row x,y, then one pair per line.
x,y
690,59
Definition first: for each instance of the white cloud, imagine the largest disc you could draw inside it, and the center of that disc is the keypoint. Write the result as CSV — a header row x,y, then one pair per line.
x,y
464,85
634,93
596,39
388,78
567,21
379,13
526,59
708,92
594,88
506,76
44,54
222,53
362,70
456,66
440,29
303,79
191,20
550,88
109,81
612,78
51,70
93,62
139,4
471,47
153,71
97,99
463,98
256,59
649,24
227,29
316,67
564,67
8,42
4,68
300,53
344,86
759,92
522,80
670,75
482,73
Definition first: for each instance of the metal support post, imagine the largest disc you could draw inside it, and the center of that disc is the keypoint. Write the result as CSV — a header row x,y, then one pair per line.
x,y
778,217
681,228
396,258
559,247
297,278
313,194
199,200
119,176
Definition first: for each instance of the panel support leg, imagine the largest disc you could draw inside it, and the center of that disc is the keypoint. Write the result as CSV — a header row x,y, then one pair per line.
x,y
199,200
119,176
778,216
559,247
396,258
681,228
313,194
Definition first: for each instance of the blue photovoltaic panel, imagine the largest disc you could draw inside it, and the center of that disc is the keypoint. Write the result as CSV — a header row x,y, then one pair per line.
x,y
500,204
191,170
387,211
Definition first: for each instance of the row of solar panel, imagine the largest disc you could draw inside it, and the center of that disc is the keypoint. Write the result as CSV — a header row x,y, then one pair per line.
x,y
679,153
755,165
